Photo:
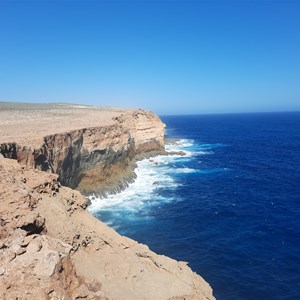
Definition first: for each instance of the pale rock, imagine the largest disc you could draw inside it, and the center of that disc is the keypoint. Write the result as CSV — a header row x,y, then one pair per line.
x,y
81,292
2,271
34,246
47,263
27,240
94,285
15,248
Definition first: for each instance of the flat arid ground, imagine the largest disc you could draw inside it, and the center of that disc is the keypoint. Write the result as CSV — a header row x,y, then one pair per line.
x,y
26,123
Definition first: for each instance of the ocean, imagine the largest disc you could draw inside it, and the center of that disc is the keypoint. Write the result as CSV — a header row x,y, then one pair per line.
x,y
230,206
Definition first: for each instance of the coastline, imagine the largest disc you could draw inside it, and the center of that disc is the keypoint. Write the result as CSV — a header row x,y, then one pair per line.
x,y
119,267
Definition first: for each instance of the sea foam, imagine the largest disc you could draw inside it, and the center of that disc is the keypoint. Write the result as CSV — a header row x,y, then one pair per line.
x,y
153,175
155,184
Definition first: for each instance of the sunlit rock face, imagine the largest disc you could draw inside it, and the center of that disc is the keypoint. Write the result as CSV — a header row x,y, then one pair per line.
x,y
94,159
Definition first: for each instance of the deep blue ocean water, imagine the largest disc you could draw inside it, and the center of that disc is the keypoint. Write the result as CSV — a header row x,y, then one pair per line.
x,y
230,206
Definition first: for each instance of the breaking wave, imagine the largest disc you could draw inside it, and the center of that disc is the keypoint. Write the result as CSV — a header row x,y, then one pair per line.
x,y
156,182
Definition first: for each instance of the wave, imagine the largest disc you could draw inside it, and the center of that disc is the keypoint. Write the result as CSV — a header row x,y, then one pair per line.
x,y
185,170
155,183
152,175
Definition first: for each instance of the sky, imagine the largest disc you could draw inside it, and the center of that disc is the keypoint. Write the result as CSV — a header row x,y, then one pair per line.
x,y
171,57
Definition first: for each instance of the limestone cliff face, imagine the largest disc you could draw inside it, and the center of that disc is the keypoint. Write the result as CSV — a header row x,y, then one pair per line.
x,y
97,158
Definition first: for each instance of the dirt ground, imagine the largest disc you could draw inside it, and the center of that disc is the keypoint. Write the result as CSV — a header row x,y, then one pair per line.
x,y
25,123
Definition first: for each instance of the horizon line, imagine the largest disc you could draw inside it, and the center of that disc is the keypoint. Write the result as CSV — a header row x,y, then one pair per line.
x,y
159,114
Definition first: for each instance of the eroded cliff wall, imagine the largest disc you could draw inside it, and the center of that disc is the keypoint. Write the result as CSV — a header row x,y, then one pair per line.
x,y
94,159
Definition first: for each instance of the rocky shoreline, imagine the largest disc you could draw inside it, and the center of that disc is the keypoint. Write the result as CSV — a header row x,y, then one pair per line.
x,y
51,247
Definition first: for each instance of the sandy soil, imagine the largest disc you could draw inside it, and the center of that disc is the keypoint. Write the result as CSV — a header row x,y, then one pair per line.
x,y
27,123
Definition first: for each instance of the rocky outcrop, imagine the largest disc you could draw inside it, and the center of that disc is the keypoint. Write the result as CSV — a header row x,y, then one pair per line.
x,y
34,264
94,159
52,248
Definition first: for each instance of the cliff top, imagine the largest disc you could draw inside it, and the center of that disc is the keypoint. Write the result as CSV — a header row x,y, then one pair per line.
x,y
28,123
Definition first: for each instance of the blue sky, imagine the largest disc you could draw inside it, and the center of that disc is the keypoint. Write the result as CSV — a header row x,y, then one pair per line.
x,y
171,57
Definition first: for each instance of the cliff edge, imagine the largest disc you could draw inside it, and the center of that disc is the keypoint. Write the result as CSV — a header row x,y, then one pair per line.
x,y
51,247
92,149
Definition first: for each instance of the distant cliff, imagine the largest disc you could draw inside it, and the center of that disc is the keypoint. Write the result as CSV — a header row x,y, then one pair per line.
x,y
94,159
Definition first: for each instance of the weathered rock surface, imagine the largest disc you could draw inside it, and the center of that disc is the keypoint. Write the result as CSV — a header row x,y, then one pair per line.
x,y
34,264
94,153
52,248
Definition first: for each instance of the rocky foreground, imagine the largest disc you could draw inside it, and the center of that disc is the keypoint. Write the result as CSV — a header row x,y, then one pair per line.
x,y
51,247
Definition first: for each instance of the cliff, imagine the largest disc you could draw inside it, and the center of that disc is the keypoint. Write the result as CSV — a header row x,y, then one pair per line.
x,y
51,247
95,151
